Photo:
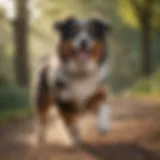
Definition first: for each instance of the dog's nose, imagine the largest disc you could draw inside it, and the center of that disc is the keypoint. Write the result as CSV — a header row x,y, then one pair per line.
x,y
84,44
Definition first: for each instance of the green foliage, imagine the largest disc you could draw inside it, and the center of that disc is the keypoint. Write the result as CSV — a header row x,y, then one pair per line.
x,y
142,86
129,14
13,103
125,10
148,86
6,50
14,114
11,96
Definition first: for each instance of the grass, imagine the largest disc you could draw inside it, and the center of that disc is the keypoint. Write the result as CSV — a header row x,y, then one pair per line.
x,y
147,86
13,103
14,114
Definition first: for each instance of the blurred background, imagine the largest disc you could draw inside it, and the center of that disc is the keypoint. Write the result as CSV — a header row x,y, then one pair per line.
x,y
134,55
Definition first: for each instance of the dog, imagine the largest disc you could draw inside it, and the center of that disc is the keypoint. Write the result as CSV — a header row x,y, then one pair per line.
x,y
77,85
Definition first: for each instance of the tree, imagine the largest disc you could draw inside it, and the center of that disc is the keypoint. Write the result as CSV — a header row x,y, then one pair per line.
x,y
142,14
21,43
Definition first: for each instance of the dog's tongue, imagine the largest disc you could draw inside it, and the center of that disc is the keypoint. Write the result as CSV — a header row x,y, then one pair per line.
x,y
83,55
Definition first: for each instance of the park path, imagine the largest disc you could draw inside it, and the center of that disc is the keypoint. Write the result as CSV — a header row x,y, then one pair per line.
x,y
134,135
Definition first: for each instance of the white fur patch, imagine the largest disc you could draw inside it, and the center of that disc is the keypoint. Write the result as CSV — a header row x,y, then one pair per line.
x,y
103,118
82,89
103,71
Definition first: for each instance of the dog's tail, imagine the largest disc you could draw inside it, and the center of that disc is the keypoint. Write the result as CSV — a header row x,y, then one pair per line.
x,y
44,69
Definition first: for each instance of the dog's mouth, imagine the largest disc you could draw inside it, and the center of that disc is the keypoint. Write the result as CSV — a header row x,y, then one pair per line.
x,y
83,55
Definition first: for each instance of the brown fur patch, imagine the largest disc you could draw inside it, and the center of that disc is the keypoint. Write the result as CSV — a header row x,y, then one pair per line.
x,y
44,102
66,50
100,96
68,110
97,50
69,119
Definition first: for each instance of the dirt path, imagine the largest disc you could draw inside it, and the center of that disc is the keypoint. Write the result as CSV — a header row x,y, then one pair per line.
x,y
135,135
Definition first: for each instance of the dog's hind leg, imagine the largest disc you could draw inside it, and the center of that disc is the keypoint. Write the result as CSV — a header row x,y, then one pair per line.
x,y
44,104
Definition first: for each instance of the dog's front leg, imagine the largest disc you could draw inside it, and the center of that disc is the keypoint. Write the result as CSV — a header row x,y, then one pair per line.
x,y
69,114
99,104
103,111
71,124
103,118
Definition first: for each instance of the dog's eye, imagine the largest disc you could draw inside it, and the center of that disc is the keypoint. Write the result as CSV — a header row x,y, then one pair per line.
x,y
75,29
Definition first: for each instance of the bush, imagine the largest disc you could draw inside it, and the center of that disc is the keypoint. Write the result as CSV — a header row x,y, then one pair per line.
x,y
11,96
142,86
148,85
13,103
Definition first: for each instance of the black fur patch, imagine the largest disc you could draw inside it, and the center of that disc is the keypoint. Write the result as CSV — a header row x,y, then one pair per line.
x,y
66,107
66,28
43,84
98,29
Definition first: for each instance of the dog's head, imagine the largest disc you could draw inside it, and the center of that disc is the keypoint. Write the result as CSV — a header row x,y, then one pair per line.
x,y
82,41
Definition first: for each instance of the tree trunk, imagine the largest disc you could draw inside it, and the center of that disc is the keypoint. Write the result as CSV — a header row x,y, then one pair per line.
x,y
21,43
146,46
144,14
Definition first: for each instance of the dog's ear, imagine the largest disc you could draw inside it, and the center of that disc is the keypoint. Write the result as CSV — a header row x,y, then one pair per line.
x,y
101,25
58,25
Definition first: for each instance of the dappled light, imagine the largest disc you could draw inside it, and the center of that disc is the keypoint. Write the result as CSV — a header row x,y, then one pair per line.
x,y
42,65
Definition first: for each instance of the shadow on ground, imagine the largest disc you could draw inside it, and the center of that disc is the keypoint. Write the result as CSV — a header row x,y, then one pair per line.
x,y
117,151
129,139
121,151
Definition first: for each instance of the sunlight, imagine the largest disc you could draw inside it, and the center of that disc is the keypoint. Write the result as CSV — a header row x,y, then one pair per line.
x,y
11,13
9,6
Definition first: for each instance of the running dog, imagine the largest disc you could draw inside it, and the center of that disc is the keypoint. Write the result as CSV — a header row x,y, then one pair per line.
x,y
77,85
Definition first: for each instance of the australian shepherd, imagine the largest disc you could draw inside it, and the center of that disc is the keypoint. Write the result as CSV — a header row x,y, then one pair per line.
x,y
78,84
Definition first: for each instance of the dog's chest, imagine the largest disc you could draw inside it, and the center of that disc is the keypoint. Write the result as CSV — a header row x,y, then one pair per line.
x,y
83,89
79,89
